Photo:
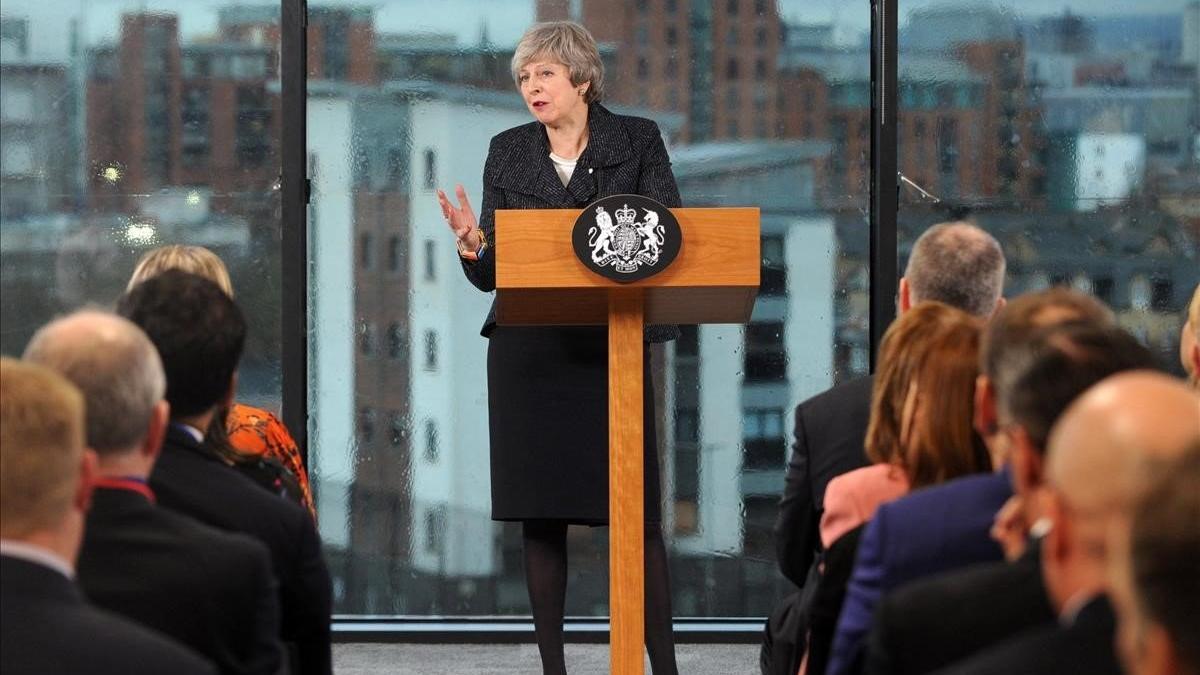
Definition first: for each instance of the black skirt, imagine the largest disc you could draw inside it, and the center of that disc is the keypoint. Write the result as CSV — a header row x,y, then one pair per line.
x,y
548,422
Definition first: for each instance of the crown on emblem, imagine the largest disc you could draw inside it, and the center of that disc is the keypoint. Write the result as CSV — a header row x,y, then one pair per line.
x,y
626,215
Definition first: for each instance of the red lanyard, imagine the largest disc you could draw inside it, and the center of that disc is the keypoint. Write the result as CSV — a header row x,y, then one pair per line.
x,y
131,484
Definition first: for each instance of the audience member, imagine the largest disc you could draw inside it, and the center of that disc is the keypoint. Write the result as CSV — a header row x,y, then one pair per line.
x,y
1189,340
954,263
45,485
1152,572
241,432
919,432
947,526
211,590
1092,463
919,435
199,332
933,622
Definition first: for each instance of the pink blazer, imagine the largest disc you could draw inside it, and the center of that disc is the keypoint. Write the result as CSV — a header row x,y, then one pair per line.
x,y
851,498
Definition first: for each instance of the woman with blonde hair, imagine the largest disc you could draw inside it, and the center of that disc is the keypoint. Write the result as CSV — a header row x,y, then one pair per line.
x,y
248,433
547,385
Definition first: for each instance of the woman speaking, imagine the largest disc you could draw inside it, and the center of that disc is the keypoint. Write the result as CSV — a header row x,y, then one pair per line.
x,y
548,386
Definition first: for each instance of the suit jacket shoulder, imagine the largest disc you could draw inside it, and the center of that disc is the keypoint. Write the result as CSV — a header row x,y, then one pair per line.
x,y
190,481
210,590
1086,646
937,621
49,629
827,441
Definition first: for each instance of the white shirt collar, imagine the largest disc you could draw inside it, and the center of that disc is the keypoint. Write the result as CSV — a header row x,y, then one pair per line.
x,y
36,555
192,431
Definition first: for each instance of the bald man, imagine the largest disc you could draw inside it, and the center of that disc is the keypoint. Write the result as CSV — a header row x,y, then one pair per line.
x,y
211,590
1092,465
1152,571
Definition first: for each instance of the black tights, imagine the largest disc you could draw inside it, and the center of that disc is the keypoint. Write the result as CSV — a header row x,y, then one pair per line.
x,y
546,578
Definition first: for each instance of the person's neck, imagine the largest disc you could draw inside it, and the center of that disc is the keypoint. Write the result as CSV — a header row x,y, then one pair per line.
x,y
198,422
569,137
62,541
129,464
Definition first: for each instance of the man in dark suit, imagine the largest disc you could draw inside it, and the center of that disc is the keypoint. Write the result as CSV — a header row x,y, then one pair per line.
x,y
1093,462
45,484
955,263
199,333
1037,380
947,526
210,590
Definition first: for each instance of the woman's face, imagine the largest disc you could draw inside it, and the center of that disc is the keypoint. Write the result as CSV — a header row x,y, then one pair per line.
x,y
548,92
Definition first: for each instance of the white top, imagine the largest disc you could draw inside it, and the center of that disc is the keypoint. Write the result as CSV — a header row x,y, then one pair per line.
x,y
564,167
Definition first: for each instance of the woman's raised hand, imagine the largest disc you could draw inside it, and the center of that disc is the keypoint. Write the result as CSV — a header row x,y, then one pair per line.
x,y
461,218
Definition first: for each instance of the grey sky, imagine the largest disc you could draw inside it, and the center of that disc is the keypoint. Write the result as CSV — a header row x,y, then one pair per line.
x,y
506,19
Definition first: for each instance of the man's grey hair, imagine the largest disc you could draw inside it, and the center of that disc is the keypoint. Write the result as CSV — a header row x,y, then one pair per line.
x,y
116,367
568,43
959,264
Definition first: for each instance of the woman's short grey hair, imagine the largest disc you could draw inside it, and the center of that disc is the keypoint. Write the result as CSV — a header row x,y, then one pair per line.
x,y
568,43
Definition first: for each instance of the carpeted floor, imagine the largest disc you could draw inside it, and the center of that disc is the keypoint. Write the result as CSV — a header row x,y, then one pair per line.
x,y
505,659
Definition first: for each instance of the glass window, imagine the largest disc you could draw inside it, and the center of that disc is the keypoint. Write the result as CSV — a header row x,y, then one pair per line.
x,y
430,261
1056,135
91,179
431,441
809,329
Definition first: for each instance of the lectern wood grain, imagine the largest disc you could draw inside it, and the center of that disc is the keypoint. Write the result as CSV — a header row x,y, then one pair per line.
x,y
626,509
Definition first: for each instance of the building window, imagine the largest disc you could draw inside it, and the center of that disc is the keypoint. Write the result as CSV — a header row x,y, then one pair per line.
x,y
731,7
435,525
431,350
396,168
760,69
366,249
366,425
762,438
430,168
396,341
731,68
394,253
399,430
773,277
366,338
671,70
687,425
672,36
766,359
1161,295
430,261
643,68
671,6
1102,288
431,441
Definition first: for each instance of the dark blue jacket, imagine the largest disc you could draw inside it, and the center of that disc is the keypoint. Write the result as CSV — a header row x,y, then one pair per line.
x,y
940,528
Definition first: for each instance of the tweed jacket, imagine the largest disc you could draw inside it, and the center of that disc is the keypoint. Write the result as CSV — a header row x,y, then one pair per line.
x,y
624,155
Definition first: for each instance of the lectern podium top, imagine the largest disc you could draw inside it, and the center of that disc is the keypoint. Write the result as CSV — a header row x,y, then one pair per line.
x,y
540,281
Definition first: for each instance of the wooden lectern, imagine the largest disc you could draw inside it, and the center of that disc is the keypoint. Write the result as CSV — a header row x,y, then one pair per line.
x,y
540,281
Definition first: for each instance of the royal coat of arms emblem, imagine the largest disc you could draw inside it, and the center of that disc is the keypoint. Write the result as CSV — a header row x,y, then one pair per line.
x,y
626,238
628,244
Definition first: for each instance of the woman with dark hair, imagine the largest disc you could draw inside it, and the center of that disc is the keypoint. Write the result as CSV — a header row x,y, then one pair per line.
x,y
547,386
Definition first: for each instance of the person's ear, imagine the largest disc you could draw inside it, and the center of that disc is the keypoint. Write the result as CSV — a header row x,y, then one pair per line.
x,y
1195,358
1056,543
156,430
905,295
984,412
89,473
1027,462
